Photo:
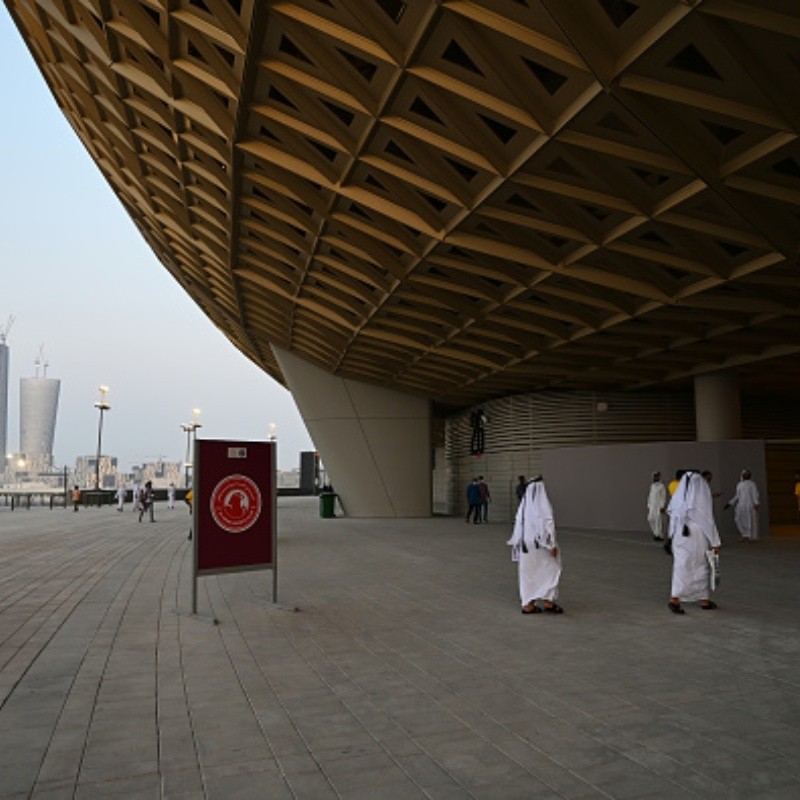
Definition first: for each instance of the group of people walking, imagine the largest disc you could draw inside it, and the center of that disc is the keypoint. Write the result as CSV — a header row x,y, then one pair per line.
x,y
143,498
745,503
682,516
691,532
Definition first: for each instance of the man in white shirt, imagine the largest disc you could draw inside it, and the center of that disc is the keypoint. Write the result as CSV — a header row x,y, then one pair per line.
x,y
746,504
656,506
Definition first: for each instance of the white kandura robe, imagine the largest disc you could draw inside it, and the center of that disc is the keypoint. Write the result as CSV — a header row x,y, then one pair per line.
x,y
691,573
744,504
539,571
656,500
120,497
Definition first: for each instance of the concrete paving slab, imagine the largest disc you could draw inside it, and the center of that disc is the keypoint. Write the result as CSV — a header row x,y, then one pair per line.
x,y
407,672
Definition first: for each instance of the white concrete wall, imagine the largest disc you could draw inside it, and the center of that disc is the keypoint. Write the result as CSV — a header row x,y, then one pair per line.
x,y
375,443
605,487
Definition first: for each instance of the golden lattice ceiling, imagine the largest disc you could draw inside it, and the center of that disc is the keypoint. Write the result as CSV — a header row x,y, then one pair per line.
x,y
461,198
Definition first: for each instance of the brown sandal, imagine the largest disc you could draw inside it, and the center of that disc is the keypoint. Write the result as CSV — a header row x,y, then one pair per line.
x,y
531,608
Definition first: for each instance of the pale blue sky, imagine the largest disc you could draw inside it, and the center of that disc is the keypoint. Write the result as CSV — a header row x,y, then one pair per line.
x,y
79,279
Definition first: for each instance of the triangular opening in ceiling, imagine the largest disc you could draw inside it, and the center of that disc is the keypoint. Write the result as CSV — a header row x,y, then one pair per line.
x,y
690,59
366,69
420,107
618,11
551,80
342,113
291,49
455,54
724,134
503,132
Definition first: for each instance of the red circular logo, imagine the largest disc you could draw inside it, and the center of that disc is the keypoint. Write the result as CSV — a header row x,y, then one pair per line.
x,y
235,503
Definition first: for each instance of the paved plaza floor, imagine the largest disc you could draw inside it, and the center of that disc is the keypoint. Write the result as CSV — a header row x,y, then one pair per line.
x,y
406,672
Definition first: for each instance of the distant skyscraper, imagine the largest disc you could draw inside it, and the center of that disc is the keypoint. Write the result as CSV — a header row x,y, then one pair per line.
x,y
4,358
38,405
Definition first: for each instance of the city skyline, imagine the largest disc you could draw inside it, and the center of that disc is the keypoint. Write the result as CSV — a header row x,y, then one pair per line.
x,y
79,279
214,429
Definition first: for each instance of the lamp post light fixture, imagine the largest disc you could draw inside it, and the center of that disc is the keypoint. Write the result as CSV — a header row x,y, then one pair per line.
x,y
102,406
273,436
186,427
190,428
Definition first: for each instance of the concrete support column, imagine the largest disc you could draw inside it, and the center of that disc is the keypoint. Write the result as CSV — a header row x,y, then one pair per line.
x,y
375,443
717,407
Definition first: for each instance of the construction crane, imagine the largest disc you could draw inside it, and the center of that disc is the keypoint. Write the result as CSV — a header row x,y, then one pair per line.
x,y
6,329
41,362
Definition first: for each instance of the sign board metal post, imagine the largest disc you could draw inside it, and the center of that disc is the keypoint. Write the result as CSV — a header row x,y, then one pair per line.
x,y
234,509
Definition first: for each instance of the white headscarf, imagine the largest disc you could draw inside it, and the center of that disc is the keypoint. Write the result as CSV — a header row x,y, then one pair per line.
x,y
534,523
692,502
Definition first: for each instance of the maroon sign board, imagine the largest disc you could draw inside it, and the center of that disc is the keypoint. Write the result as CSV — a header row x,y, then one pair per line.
x,y
234,499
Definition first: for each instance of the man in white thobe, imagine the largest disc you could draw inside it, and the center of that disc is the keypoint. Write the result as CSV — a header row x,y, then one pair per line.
x,y
535,549
656,506
120,497
171,496
692,533
746,504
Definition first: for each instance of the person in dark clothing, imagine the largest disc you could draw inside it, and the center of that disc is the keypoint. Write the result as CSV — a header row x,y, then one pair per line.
x,y
146,500
473,501
486,498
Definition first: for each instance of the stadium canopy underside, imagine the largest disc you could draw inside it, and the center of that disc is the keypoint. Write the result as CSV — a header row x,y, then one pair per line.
x,y
458,199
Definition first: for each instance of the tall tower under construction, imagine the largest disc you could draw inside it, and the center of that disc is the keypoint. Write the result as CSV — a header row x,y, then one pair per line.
x,y
4,366
38,406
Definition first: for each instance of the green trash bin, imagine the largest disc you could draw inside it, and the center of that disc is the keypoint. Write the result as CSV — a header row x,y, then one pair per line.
x,y
326,504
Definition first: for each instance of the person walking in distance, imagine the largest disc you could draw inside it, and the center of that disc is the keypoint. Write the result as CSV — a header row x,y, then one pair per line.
x,y
473,501
746,504
189,499
673,484
485,498
708,476
146,501
657,506
120,494
171,496
76,497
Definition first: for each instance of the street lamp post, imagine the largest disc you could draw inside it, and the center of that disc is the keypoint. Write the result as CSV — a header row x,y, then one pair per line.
x,y
186,427
190,428
102,406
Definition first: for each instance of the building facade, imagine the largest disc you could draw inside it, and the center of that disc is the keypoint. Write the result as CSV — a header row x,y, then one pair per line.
x,y
5,358
38,410
86,472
